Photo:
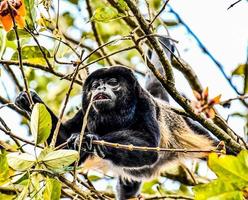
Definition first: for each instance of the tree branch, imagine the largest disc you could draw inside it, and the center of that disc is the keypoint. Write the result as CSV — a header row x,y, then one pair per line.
x,y
169,86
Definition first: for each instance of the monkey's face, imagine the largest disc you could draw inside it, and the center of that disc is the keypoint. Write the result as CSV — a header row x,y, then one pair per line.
x,y
113,90
104,93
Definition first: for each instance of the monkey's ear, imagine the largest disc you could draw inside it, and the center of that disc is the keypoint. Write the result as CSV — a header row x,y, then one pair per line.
x,y
138,90
128,74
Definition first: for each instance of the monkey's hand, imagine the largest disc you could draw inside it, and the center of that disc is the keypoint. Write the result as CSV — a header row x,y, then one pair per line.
x,y
87,145
22,100
73,141
94,148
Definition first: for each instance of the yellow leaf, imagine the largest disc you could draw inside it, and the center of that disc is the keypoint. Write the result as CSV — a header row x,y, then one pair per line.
x,y
205,94
197,95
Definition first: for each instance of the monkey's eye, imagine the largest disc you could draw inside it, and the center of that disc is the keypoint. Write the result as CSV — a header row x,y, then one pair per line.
x,y
113,82
94,85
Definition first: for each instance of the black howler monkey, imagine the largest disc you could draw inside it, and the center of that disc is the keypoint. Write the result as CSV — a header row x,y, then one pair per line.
x,y
123,112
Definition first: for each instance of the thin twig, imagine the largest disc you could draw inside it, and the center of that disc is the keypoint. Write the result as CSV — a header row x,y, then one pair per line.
x,y
75,188
59,39
170,196
131,147
117,61
11,105
71,185
8,132
81,136
12,135
111,54
41,50
41,67
19,50
8,129
91,187
96,34
13,76
154,42
55,56
241,97
156,16
57,15
56,131
153,149
132,23
127,37
233,4
157,35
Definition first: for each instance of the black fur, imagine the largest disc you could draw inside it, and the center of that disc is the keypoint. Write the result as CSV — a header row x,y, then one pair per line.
x,y
127,189
131,121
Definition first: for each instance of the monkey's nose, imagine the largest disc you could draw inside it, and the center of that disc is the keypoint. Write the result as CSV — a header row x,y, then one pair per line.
x,y
101,88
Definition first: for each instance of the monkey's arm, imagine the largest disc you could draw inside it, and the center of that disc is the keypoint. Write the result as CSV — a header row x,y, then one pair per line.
x,y
71,126
120,157
130,158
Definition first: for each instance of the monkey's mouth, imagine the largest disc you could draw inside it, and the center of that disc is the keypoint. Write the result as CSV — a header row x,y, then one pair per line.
x,y
101,97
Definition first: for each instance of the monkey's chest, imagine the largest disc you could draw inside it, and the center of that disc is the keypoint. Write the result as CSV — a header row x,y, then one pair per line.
x,y
105,126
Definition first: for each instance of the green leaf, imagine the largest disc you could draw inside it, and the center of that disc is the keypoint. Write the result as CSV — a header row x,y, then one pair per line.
x,y
232,168
52,190
240,70
68,18
105,14
23,195
3,42
41,123
43,153
4,169
148,187
32,54
171,23
94,178
232,178
246,79
122,4
30,14
7,196
156,4
217,190
20,161
60,159
74,1
21,179
36,192
11,36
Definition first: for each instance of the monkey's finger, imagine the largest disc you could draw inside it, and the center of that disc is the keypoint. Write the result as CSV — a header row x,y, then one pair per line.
x,y
89,141
72,142
99,151
22,102
35,97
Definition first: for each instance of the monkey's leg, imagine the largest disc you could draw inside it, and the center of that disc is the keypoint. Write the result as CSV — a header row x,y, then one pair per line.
x,y
127,189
